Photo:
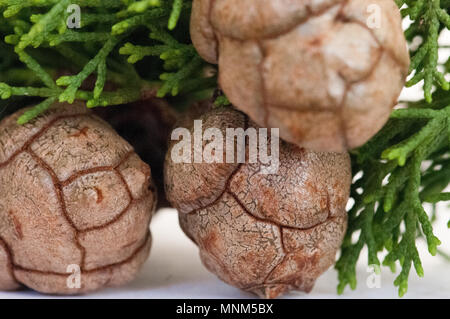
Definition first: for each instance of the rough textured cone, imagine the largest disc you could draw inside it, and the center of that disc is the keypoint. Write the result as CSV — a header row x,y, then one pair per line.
x,y
146,125
264,233
326,73
74,193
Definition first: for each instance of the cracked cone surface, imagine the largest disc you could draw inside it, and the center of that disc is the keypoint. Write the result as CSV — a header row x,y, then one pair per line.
x,y
326,73
73,193
263,233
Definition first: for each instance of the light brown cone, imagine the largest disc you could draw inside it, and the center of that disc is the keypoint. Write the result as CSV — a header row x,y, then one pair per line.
x,y
326,73
263,233
73,192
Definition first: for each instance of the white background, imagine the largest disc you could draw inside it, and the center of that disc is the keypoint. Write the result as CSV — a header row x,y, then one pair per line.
x,y
174,269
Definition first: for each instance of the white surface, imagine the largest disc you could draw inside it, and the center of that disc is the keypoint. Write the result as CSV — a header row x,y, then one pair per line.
x,y
174,270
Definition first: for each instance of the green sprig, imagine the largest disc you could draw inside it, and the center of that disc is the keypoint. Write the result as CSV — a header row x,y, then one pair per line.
x,y
73,83
36,110
175,14
381,207
33,26
429,17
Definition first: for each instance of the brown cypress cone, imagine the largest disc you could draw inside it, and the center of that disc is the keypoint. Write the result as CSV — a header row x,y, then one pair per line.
x,y
326,73
263,233
76,200
146,125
